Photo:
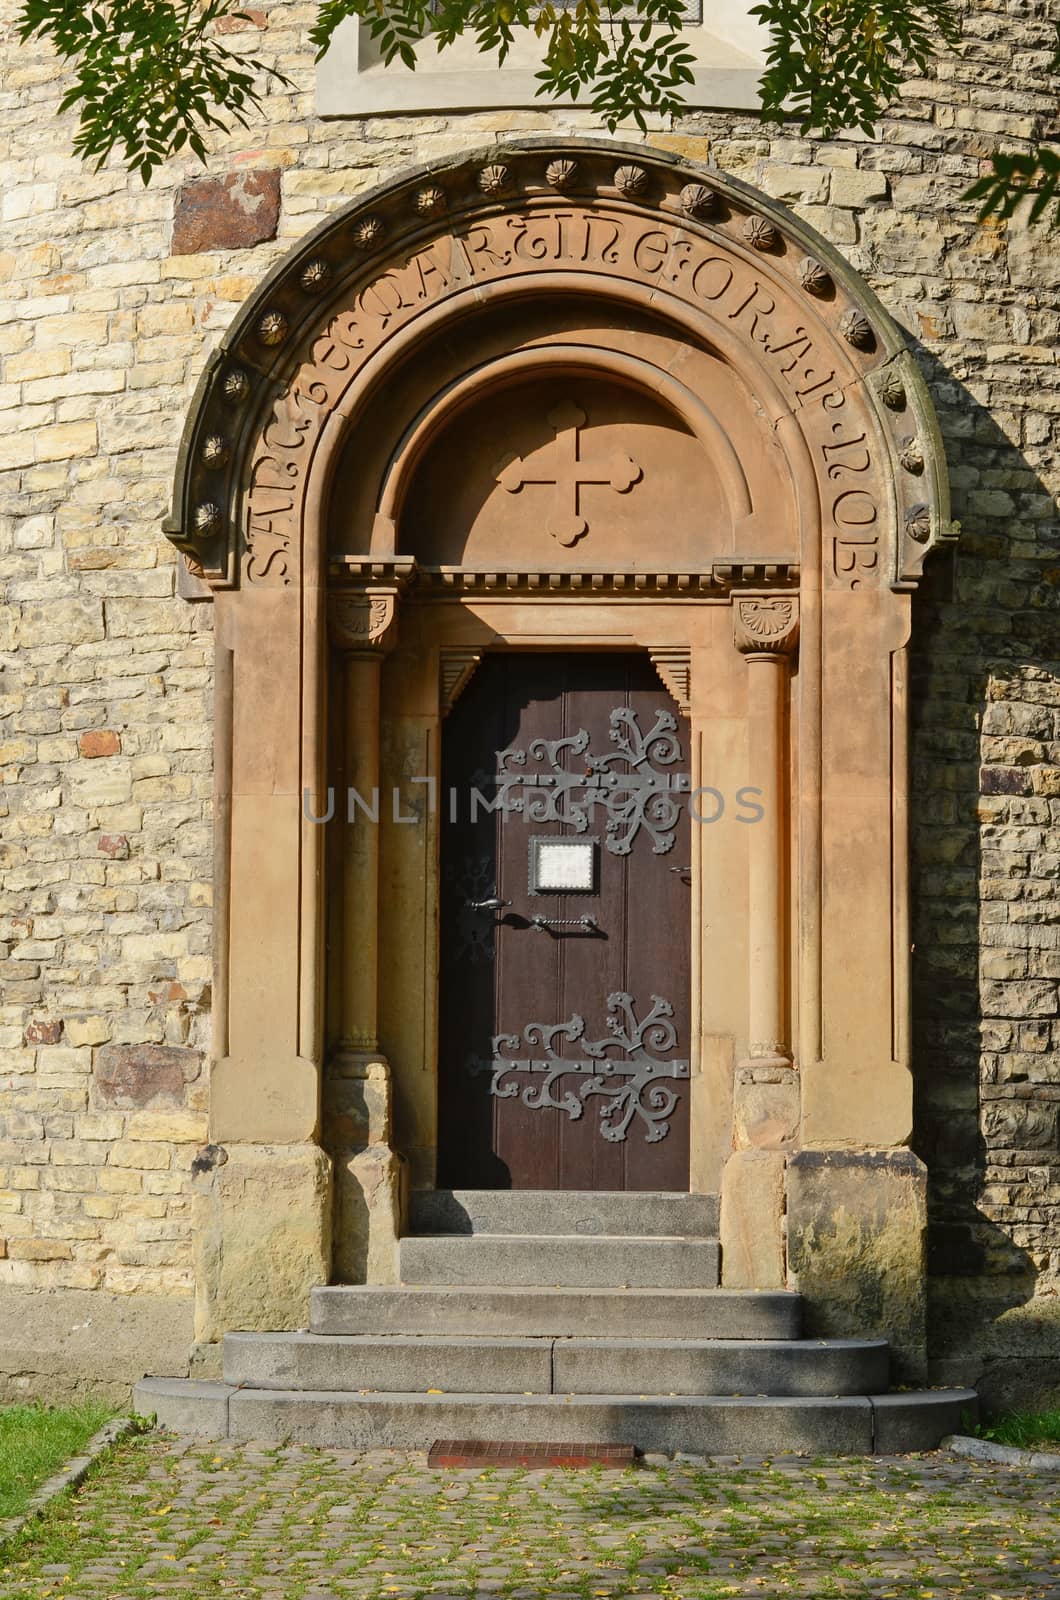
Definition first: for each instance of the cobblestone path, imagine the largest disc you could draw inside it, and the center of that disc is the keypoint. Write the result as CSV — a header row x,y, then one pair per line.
x,y
175,1520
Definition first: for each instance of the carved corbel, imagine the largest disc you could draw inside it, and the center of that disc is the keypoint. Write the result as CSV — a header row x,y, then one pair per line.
x,y
766,625
457,668
674,666
363,621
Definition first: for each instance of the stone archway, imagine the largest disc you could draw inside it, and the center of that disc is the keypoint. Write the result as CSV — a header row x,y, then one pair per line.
x,y
354,371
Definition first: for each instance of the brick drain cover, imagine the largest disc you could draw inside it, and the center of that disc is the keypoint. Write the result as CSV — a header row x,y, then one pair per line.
x,y
485,1453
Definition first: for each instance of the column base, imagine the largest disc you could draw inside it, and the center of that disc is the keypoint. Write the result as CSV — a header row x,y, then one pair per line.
x,y
857,1230
371,1180
261,1216
752,1220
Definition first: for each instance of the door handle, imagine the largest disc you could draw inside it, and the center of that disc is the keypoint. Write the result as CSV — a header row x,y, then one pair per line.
x,y
493,904
587,923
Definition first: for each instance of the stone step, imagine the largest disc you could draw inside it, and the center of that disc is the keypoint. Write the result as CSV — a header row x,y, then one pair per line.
x,y
399,1363
698,1424
520,1260
585,1313
550,1211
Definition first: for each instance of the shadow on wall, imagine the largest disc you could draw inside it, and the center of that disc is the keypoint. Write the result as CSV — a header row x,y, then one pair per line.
x,y
986,909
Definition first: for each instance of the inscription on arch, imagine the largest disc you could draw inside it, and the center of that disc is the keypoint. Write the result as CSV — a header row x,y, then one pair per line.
x,y
782,329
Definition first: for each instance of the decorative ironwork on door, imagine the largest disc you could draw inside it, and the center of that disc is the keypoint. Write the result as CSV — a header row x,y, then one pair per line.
x,y
632,784
600,1073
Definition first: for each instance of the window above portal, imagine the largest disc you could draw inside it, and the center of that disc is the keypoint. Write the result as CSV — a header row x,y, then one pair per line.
x,y
352,80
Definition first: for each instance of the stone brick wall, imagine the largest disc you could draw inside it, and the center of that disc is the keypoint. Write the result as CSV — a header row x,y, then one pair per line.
x,y
113,295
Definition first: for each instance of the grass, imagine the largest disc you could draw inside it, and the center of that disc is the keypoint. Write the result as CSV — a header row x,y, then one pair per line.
x,y
1026,1429
35,1440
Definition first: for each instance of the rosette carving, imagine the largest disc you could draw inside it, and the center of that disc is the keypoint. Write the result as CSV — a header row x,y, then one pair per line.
x,y
368,232
698,200
272,328
857,330
430,201
814,278
918,523
236,387
759,233
631,181
892,391
207,519
562,174
315,275
911,454
214,452
495,179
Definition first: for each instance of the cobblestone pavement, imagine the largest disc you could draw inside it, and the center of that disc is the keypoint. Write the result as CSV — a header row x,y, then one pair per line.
x,y
179,1520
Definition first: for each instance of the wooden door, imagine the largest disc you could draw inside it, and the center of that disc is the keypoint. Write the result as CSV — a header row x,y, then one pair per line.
x,y
565,1012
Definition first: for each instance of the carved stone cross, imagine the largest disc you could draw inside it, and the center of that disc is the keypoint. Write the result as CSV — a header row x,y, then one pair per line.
x,y
560,466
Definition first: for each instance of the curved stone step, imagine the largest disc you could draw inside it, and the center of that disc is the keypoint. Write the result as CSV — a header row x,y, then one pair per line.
x,y
585,1313
777,1367
550,1211
699,1424
454,1364
565,1260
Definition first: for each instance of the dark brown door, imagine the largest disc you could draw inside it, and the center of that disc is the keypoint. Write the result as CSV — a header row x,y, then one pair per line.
x,y
564,1009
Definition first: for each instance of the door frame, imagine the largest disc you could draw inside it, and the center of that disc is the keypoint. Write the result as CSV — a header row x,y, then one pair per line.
x,y
690,1045
691,644
304,367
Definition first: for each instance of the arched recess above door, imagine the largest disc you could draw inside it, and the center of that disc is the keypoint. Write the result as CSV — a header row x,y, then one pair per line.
x,y
745,313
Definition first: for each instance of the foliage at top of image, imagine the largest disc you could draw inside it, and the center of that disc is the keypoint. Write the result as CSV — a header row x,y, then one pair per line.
x,y
153,77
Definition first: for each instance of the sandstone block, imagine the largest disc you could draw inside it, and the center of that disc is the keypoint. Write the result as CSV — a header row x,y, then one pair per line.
x,y
765,1114
99,742
854,188
1032,998
138,1076
857,1227
65,440
154,946
109,785
805,185
38,1250
142,1156
87,1030
230,213
68,622
752,1213
1019,1125
166,1127
262,1229
45,1032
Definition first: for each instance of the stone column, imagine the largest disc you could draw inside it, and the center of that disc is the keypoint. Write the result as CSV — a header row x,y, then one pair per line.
x,y
261,1195
766,1091
357,1091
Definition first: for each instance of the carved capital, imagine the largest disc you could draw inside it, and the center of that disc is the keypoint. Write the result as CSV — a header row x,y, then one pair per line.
x,y
363,620
766,625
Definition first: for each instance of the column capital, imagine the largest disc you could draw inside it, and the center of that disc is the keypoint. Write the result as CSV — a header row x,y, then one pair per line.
x,y
363,621
765,625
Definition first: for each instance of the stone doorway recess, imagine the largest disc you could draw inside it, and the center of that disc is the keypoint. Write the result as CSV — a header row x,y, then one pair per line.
x,y
560,395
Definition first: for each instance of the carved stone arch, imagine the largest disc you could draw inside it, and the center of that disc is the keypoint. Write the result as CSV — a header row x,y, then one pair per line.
x,y
816,338
799,392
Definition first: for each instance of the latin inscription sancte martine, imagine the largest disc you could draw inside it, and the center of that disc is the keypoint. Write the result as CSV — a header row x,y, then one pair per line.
x,y
786,335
